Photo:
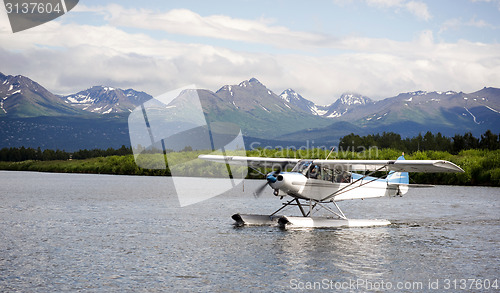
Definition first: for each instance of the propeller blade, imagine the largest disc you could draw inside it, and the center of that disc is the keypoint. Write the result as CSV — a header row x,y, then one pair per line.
x,y
280,167
258,191
271,178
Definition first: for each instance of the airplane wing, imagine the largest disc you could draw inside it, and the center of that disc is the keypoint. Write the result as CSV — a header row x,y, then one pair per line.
x,y
250,161
428,166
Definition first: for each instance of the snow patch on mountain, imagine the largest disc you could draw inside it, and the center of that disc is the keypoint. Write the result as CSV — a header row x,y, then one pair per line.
x,y
1,106
473,117
288,95
319,110
295,99
81,99
350,99
106,99
334,114
346,103
418,93
492,109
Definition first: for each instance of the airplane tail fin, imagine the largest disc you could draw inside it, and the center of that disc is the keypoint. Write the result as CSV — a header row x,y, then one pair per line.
x,y
399,178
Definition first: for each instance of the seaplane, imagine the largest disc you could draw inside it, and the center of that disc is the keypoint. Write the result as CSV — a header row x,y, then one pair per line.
x,y
315,185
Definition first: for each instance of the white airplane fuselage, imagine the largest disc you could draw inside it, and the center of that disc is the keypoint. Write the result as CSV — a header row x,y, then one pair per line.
x,y
297,185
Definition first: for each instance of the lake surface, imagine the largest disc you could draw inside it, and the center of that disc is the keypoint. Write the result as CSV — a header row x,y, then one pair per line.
x,y
101,233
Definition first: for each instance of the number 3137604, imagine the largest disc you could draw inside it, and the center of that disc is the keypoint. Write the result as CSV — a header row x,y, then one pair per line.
x,y
470,284
33,7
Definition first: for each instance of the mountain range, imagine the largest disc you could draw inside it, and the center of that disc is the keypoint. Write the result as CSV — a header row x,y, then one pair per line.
x,y
106,100
32,116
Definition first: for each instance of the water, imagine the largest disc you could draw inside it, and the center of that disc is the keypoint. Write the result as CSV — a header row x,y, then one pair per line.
x,y
97,233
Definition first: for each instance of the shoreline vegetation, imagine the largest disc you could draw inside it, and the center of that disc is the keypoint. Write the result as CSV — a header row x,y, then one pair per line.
x,y
482,167
479,158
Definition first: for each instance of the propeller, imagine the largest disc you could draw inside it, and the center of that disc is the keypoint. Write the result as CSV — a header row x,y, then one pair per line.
x,y
258,191
271,178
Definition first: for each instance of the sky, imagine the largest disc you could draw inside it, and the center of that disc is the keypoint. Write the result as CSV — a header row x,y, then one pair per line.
x,y
321,49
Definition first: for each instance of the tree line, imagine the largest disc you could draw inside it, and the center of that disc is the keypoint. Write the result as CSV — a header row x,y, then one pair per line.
x,y
426,142
351,142
25,154
482,167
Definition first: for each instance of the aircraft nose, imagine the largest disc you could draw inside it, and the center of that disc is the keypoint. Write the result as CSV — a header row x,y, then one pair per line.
x,y
271,179
276,181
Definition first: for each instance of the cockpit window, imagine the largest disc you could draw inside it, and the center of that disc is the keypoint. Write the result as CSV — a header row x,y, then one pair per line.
x,y
302,167
313,171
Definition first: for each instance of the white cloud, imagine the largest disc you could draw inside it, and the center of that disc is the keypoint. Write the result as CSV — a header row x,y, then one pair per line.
x,y
417,8
479,23
450,24
68,57
458,23
187,22
385,3
489,1
261,31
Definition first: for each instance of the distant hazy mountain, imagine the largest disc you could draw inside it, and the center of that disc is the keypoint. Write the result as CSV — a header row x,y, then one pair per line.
x,y
348,102
22,97
459,110
305,105
106,100
32,116
416,112
252,95
257,110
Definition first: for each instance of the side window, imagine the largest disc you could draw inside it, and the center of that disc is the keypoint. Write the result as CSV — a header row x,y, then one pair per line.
x,y
337,176
346,177
327,174
314,172
341,176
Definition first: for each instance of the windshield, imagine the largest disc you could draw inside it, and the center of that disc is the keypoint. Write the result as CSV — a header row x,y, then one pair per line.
x,y
302,167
